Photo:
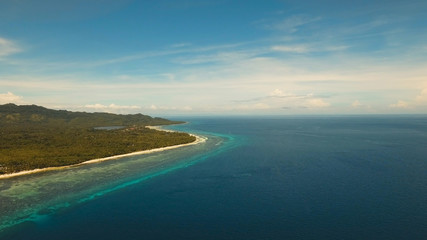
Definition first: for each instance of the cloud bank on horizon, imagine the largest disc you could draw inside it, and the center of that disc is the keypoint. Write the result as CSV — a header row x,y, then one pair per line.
x,y
226,57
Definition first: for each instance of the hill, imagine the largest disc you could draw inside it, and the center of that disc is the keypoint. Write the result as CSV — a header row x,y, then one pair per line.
x,y
36,137
32,114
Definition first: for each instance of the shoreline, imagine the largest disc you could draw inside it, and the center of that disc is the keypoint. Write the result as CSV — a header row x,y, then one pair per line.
x,y
198,140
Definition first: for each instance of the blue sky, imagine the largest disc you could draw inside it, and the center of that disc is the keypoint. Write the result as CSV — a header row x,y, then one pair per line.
x,y
223,57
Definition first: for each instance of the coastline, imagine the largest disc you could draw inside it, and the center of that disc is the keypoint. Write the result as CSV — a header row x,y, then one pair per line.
x,y
198,140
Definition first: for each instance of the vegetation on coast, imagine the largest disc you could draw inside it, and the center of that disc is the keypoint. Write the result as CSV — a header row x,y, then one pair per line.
x,y
36,137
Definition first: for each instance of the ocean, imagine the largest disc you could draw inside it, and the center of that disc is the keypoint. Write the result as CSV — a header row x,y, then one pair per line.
x,y
296,177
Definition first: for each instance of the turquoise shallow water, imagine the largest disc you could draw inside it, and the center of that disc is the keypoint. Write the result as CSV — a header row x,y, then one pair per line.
x,y
33,198
257,178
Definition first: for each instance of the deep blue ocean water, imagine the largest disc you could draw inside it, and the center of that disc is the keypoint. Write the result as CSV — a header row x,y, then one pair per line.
x,y
325,177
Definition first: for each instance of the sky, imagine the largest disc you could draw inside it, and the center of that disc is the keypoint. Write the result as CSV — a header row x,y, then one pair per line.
x,y
215,57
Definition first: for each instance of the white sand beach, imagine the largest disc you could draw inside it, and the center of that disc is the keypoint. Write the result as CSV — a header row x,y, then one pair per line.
x,y
199,139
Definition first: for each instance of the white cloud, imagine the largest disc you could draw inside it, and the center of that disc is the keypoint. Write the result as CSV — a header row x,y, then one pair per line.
x,y
261,106
278,99
169,108
308,48
255,106
400,104
417,102
277,93
168,76
110,108
249,77
291,24
7,48
159,53
422,98
180,45
244,107
224,57
316,103
336,48
291,49
10,98
356,104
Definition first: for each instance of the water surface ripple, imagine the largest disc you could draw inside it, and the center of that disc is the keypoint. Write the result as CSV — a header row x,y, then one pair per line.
x,y
34,197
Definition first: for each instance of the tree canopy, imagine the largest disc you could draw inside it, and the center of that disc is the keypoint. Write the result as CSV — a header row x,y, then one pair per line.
x,y
36,137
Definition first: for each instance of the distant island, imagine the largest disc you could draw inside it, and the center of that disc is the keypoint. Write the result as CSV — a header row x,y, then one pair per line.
x,y
34,137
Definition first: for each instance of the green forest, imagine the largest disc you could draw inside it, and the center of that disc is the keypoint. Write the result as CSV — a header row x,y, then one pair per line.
x,y
36,137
